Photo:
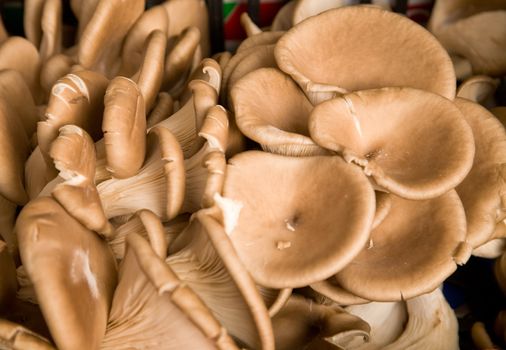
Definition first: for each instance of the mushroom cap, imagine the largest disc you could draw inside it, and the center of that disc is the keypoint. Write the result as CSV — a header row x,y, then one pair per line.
x,y
365,55
284,17
78,99
32,15
271,110
279,217
16,337
163,108
308,8
414,250
67,262
260,39
413,143
51,22
331,289
483,190
53,69
73,153
124,127
479,89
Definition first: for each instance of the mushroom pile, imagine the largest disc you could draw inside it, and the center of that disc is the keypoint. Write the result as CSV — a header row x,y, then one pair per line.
x,y
311,191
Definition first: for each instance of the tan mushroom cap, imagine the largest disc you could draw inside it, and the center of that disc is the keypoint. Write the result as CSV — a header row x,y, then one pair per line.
x,y
301,321
101,40
271,110
364,57
124,127
67,262
51,22
260,39
83,10
483,190
279,218
164,108
73,153
308,8
166,313
78,99
383,205
479,89
8,282
331,289
413,143
53,69
415,248
21,55
248,25
151,20
16,337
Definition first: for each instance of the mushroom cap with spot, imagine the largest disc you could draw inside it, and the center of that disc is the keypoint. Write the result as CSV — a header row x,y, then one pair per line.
x,y
351,48
67,262
413,143
124,127
272,110
413,250
282,213
483,191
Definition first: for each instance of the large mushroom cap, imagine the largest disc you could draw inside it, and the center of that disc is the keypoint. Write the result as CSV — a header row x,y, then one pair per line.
x,y
352,48
67,263
271,110
483,190
413,143
282,212
413,250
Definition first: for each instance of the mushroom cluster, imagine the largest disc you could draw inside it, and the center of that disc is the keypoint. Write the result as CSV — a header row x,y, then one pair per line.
x,y
311,191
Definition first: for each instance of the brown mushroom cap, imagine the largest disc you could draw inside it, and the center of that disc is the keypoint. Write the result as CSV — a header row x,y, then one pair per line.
x,y
413,143
16,337
278,216
124,127
483,190
66,262
413,250
101,40
271,110
365,55
73,153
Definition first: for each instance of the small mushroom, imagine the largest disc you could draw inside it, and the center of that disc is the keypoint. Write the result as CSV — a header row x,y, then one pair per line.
x,y
271,110
358,52
383,131
67,262
278,216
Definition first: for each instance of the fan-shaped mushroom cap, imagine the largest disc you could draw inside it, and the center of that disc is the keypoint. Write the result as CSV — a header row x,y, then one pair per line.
x,y
189,13
66,262
73,153
278,219
365,55
179,62
149,76
78,99
383,131
22,56
331,289
284,17
100,43
483,190
124,127
16,337
16,93
479,89
51,22
300,321
153,19
53,69
8,282
389,269
208,71
271,110
152,308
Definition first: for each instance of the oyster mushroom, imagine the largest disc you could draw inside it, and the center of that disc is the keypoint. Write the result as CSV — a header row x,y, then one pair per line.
x,y
264,38
479,89
331,289
271,110
483,190
67,262
152,308
248,25
387,270
284,18
323,65
278,219
410,156
51,21
164,108
301,321
83,10
73,153
124,127
32,15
